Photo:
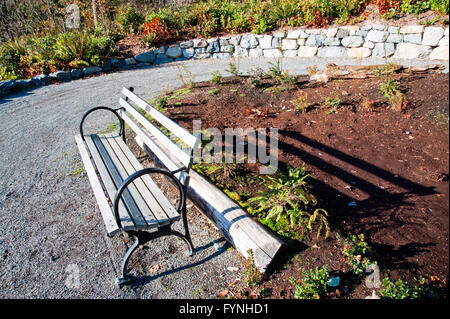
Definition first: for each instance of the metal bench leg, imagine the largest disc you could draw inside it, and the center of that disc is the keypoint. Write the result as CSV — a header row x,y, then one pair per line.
x,y
187,235
125,279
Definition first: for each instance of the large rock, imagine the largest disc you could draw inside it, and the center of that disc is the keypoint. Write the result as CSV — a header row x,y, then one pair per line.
x,y
146,57
331,32
443,41
413,38
411,29
91,70
376,36
315,40
296,34
331,52
432,36
358,52
394,38
276,43
383,50
41,80
249,41
265,42
410,51
332,42
352,41
440,53
62,76
175,52
288,44
187,44
188,52
306,52
6,86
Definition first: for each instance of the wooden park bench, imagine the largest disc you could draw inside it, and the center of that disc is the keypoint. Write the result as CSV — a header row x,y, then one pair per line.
x,y
128,198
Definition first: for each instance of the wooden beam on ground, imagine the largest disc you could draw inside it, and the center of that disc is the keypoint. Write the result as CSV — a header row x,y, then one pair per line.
x,y
239,229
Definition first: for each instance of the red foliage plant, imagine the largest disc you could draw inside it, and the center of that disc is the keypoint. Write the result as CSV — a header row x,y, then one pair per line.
x,y
158,29
385,5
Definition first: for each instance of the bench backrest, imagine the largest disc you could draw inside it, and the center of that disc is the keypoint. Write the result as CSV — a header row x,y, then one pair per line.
x,y
171,143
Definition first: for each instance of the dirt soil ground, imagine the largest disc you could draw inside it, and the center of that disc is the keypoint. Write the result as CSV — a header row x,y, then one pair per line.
x,y
393,165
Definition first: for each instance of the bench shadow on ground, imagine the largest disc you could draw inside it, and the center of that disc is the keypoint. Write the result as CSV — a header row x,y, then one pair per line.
x,y
379,201
146,279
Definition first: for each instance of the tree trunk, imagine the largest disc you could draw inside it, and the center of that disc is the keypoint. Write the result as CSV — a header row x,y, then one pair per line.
x,y
94,13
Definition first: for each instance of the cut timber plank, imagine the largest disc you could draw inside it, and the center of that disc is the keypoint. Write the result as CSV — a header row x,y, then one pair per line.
x,y
157,133
105,209
125,219
163,155
235,224
156,201
172,126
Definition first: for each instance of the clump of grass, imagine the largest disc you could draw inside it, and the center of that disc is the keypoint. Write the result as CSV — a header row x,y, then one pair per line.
x,y
313,284
214,91
180,92
389,88
185,76
287,206
367,103
216,78
332,104
252,277
234,67
356,251
301,102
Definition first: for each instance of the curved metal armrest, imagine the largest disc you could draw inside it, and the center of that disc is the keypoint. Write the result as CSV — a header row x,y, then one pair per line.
x,y
146,171
122,124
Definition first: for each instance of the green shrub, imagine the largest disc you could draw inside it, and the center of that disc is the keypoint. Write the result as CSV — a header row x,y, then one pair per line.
x,y
440,6
436,288
313,285
356,249
287,207
80,45
129,20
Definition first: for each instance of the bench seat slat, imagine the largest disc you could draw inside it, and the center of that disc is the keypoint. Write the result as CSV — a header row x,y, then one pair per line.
x,y
125,218
167,208
120,162
105,209
163,213
172,126
127,197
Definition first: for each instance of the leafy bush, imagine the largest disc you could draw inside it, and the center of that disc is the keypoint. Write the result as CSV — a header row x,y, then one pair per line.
x,y
27,56
440,6
313,285
287,205
436,288
356,249
129,20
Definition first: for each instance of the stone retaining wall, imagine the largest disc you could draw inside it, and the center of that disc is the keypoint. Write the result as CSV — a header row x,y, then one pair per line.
x,y
406,42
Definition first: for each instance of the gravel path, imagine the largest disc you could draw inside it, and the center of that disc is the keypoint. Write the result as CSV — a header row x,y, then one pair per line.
x,y
52,232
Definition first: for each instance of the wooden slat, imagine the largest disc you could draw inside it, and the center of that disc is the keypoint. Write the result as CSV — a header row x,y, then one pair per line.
x,y
105,209
165,204
128,200
157,133
172,126
125,219
131,164
120,162
163,156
